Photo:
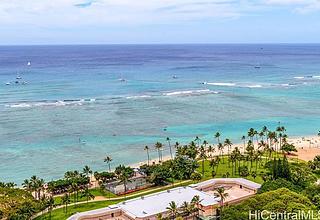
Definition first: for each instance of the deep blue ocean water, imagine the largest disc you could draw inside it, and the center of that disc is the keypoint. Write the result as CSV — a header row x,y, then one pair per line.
x,y
70,108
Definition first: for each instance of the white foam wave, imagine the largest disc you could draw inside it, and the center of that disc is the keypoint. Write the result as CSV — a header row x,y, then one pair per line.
x,y
50,103
227,84
219,84
138,97
190,92
307,77
253,86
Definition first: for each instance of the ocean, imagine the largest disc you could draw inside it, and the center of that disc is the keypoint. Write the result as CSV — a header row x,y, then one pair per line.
x,y
63,107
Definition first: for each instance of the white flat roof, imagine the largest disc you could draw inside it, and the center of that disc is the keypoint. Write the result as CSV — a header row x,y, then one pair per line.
x,y
158,202
155,203
240,181
94,212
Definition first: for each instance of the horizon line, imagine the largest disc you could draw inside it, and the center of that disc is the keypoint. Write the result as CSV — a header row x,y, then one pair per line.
x,y
146,44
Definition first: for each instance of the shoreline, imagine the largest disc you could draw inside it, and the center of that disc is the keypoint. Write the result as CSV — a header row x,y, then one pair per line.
x,y
301,142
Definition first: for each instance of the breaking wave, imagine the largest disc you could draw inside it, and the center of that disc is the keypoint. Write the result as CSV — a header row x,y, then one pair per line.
x,y
307,77
45,103
138,97
190,92
228,84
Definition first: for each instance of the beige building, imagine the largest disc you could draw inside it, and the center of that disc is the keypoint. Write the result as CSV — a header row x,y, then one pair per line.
x,y
148,207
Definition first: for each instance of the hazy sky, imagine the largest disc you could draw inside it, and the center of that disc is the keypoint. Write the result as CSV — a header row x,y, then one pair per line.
x,y
159,21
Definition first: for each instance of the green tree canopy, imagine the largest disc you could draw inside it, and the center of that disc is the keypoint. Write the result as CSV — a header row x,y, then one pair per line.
x,y
280,200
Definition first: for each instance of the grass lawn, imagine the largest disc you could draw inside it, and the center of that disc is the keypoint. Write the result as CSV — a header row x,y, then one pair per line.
x,y
223,168
95,192
59,214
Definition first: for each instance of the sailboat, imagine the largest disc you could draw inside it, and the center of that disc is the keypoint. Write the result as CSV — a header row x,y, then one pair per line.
x,y
257,67
18,76
121,79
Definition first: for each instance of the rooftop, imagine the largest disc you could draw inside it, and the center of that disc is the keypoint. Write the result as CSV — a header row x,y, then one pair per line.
x,y
155,203
145,206
239,181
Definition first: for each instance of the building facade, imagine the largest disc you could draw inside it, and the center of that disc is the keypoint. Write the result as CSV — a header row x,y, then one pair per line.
x,y
150,206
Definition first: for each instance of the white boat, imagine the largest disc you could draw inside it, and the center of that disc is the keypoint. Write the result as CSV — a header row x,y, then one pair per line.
x,y
8,83
174,77
29,64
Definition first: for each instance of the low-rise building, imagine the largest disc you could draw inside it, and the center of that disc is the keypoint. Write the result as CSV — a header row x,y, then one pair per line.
x,y
148,207
135,183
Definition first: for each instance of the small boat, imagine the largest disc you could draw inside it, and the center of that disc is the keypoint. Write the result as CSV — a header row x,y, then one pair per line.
x,y
18,77
122,80
24,83
174,77
29,63
257,67
16,82
8,84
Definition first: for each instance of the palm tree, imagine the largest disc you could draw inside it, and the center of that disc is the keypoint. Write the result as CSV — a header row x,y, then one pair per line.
x,y
197,139
233,159
217,136
220,148
211,151
214,163
27,185
158,147
168,140
186,208
75,189
159,216
243,138
220,192
261,135
108,160
176,145
86,193
124,174
173,209
203,157
228,143
36,186
51,205
250,152
87,171
146,148
196,202
65,199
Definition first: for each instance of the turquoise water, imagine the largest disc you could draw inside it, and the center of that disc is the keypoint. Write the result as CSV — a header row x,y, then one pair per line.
x,y
73,109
